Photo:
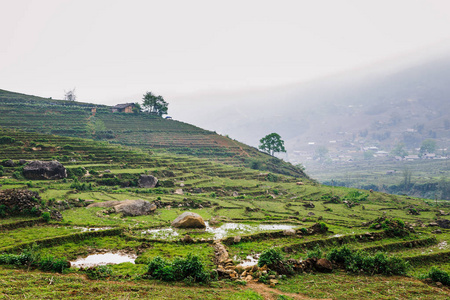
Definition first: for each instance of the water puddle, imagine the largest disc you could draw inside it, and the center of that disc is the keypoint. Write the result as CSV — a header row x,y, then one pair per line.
x,y
103,259
84,229
225,230
249,261
337,235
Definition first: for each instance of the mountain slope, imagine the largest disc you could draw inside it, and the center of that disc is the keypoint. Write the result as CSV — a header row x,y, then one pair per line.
x,y
142,130
374,107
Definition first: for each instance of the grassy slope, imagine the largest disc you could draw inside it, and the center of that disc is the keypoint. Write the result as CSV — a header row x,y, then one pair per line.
x,y
204,181
142,130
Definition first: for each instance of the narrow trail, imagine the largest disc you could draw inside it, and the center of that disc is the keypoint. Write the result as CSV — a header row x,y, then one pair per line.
x,y
272,293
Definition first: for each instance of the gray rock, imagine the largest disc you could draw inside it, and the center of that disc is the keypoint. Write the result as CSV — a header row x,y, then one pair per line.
x,y
9,163
189,220
289,232
443,223
128,207
40,170
324,265
178,192
147,181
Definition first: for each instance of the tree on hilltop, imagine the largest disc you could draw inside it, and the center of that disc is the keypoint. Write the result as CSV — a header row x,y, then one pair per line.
x,y
70,95
272,143
154,104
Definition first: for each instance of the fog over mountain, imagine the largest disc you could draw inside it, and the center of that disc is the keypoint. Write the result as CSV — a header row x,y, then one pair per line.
x,y
380,106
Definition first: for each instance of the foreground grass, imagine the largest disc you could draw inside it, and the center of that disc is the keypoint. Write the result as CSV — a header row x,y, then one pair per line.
x,y
341,285
19,284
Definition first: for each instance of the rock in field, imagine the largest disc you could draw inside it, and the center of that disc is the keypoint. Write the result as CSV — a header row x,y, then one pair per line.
x,y
128,207
40,170
147,181
189,220
324,265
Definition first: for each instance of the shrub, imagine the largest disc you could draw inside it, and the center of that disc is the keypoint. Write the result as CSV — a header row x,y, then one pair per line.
x,y
438,276
356,196
99,272
46,216
271,177
6,140
17,175
54,264
361,261
270,256
341,255
190,269
315,253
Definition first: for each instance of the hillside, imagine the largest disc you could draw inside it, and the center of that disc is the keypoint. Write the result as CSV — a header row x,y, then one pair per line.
x,y
246,212
141,130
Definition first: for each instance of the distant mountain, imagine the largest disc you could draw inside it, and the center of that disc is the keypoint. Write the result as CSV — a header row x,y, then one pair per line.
x,y
371,108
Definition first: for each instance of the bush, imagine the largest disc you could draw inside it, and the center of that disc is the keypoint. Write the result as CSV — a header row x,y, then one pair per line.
x,y
392,227
54,264
271,177
270,256
6,140
30,257
99,272
46,216
17,175
361,261
438,276
356,196
315,253
190,269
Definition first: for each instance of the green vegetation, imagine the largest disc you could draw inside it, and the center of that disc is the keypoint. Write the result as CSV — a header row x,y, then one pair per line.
x,y
189,269
147,131
154,104
270,256
375,229
272,143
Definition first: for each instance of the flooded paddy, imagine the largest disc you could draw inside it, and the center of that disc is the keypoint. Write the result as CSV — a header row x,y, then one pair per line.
x,y
214,232
103,259
84,229
249,260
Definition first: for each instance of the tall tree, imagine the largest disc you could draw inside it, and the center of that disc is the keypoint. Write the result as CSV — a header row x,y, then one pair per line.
x,y
70,95
154,104
272,143
428,146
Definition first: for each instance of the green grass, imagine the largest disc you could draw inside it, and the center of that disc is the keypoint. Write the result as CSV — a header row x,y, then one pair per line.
x,y
202,179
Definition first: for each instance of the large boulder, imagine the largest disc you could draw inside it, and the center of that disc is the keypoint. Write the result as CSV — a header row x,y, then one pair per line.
x,y
147,181
39,170
189,220
324,265
128,207
443,223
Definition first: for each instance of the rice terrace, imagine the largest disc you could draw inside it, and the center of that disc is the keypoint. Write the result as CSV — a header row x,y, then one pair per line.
x,y
160,209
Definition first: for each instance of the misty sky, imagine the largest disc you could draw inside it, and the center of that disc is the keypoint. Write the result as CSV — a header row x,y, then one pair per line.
x,y
112,50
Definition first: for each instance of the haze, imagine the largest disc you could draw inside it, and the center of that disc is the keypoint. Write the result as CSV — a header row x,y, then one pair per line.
x,y
114,51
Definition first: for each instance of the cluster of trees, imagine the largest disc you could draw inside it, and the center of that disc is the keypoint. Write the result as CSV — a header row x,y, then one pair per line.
x,y
154,104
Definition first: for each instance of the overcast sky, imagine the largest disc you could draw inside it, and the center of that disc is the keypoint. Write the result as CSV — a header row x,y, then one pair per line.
x,y
111,50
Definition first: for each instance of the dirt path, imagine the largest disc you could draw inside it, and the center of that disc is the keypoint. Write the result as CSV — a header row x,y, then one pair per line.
x,y
271,293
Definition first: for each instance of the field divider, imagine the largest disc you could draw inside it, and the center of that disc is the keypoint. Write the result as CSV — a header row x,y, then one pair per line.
x,y
400,245
21,224
54,241
335,241
439,258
